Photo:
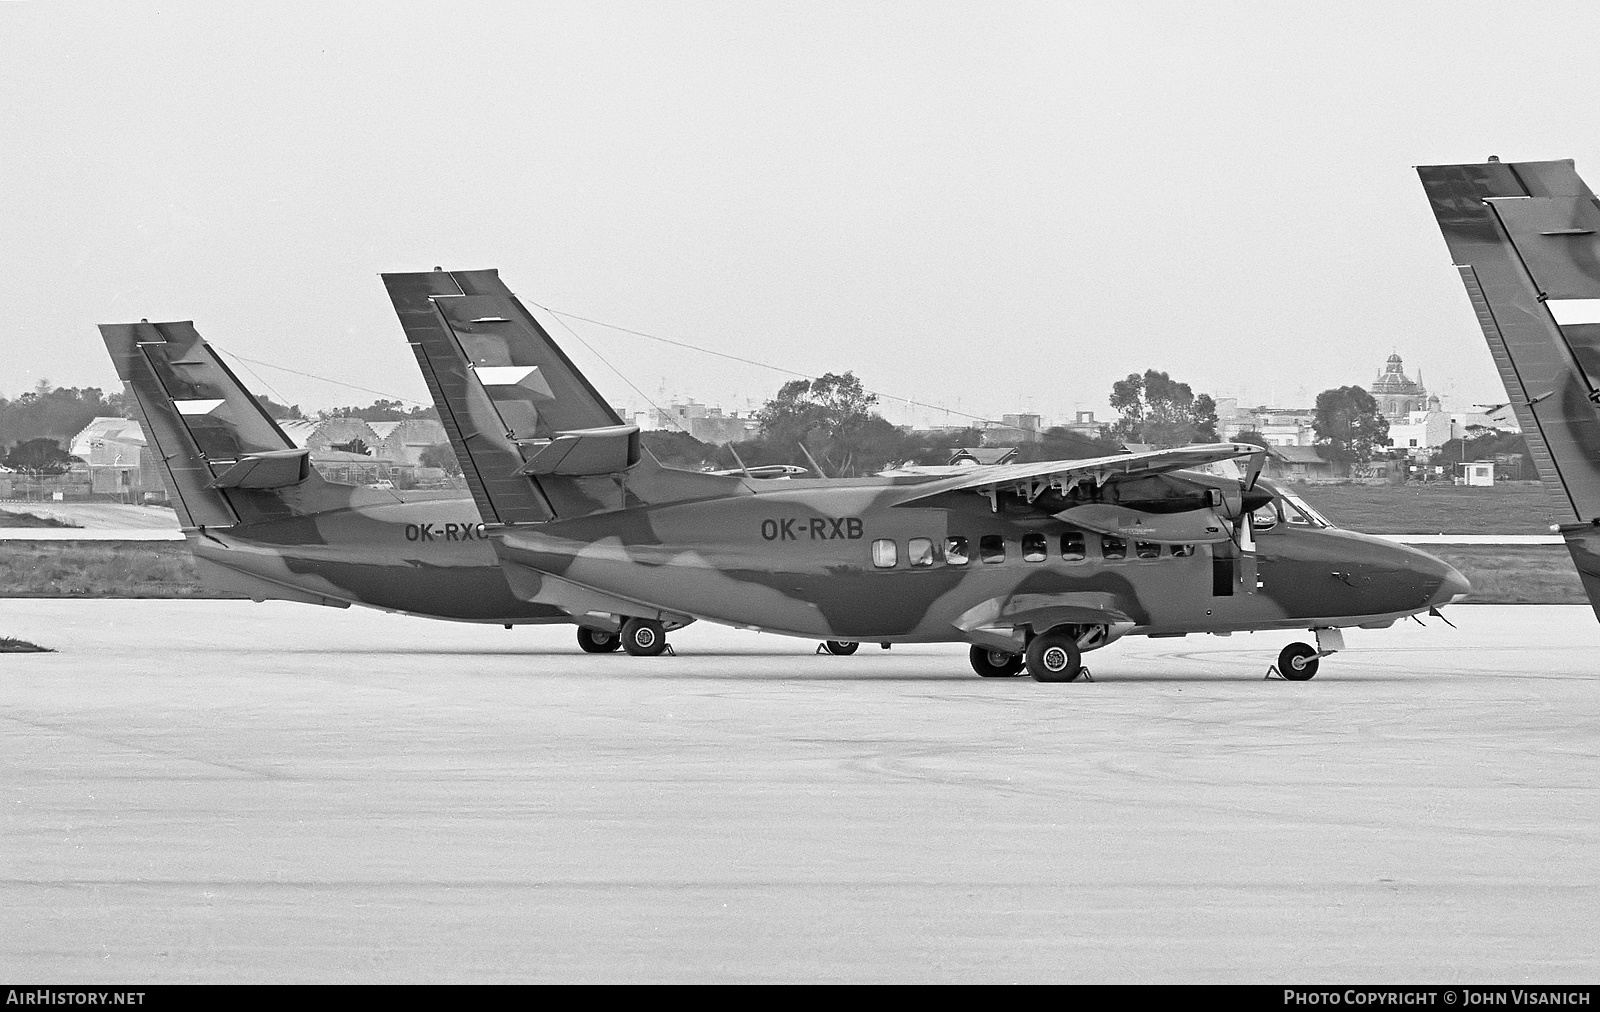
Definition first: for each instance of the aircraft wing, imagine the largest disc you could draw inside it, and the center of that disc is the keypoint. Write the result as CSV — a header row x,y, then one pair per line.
x,y
1029,480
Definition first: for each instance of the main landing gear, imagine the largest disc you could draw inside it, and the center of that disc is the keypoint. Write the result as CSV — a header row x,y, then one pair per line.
x,y
644,637
597,641
995,663
1054,657
840,648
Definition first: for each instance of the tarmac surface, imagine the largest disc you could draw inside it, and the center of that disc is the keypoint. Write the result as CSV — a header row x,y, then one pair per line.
x,y
221,791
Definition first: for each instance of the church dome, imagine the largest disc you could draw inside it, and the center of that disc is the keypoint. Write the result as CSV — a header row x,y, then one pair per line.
x,y
1393,381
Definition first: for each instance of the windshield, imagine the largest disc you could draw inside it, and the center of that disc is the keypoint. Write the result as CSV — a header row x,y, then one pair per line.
x,y
1298,512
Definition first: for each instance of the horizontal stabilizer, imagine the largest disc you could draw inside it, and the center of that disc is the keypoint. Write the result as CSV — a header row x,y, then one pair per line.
x,y
605,450
272,469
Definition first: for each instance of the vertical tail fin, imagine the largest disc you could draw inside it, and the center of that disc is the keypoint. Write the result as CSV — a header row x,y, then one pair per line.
x,y
1525,237
224,459
536,441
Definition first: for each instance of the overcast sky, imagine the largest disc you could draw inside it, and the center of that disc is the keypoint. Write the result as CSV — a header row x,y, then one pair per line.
x,y
991,207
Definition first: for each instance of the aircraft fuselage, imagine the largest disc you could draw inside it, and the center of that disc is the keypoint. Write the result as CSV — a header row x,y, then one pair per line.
x,y
429,557
817,562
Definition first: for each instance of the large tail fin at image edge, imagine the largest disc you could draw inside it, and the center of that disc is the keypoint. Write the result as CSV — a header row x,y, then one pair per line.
x,y
1525,237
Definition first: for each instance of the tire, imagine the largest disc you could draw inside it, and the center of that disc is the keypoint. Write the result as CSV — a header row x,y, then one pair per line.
x,y
1054,657
643,637
840,648
995,663
1298,662
597,641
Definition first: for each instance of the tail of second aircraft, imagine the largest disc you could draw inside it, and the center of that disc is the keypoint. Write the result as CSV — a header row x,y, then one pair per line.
x,y
535,440
1525,237
225,461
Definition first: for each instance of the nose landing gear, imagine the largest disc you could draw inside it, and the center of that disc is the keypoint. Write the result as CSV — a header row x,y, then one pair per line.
x,y
1298,662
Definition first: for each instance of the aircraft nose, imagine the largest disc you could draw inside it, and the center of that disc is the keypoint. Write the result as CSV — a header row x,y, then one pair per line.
x,y
1452,586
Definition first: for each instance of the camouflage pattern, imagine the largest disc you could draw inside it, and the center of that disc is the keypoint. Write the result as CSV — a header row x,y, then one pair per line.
x,y
1525,238
262,523
1200,553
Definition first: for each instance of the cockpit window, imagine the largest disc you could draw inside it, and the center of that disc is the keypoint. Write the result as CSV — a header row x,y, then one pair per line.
x,y
1299,514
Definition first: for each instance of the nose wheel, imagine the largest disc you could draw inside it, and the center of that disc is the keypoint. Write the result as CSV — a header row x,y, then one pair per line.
x,y
1298,662
840,648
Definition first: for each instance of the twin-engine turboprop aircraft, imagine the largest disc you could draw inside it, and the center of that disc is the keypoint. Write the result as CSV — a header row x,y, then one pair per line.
x,y
1525,237
1029,564
262,523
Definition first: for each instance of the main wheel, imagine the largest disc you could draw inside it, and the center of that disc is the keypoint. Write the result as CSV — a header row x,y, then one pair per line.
x,y
995,663
840,648
597,641
643,637
1298,662
1054,657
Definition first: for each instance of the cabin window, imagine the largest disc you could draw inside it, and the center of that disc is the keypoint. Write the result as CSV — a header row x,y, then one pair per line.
x,y
1182,551
884,555
919,552
992,548
955,551
1113,547
1265,518
1147,549
1072,546
1033,548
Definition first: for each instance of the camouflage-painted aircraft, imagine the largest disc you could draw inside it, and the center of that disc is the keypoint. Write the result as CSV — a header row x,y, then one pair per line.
x,y
1525,237
1030,564
262,523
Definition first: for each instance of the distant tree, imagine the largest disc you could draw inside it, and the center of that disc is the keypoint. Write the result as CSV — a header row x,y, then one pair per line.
x,y
1348,423
442,456
381,410
356,445
57,413
679,449
1481,443
1205,419
276,410
1058,443
949,440
1251,436
43,455
1158,410
830,415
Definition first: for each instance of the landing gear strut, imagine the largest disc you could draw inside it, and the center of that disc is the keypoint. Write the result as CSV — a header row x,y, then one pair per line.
x,y
597,641
995,663
643,637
